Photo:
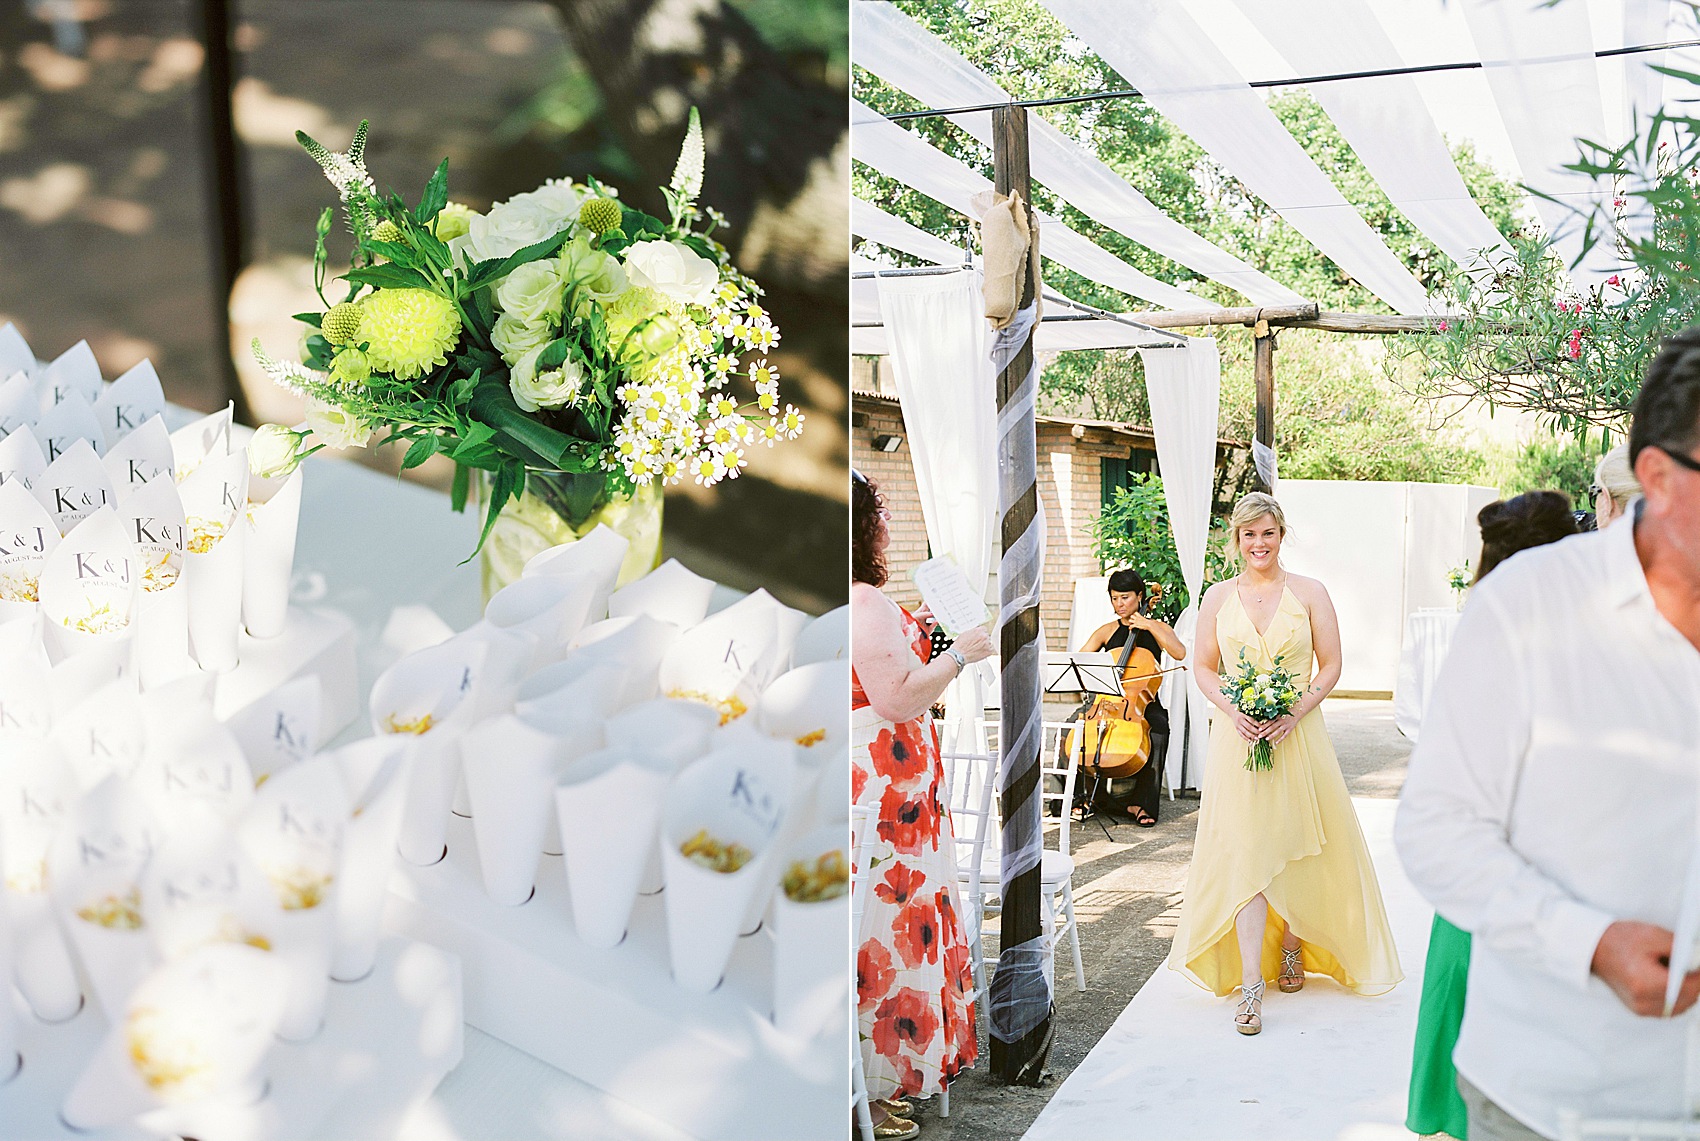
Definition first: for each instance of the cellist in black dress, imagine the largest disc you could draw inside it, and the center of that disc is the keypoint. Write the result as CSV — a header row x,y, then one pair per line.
x,y
1127,598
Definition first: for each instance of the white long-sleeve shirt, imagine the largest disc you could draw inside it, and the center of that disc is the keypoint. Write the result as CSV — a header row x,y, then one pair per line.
x,y
1556,788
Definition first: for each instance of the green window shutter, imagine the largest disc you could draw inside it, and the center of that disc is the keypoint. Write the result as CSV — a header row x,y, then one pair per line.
x,y
1113,474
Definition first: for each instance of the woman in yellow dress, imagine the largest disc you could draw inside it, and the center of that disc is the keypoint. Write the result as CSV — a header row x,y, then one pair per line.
x,y
1281,883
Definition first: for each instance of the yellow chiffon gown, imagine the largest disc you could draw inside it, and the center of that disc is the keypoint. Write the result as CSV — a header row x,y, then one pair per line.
x,y
1289,833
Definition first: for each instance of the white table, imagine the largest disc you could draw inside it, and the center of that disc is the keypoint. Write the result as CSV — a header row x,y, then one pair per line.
x,y
1428,635
369,543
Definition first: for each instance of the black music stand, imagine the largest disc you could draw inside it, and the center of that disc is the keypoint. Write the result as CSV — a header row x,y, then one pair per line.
x,y
1093,673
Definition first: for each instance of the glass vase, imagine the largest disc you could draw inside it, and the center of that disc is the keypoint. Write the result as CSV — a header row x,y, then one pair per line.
x,y
561,507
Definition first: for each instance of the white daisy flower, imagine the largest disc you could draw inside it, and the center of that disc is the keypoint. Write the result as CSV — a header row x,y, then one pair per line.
x,y
792,421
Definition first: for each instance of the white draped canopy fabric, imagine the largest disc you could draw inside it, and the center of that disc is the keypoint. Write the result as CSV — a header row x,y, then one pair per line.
x,y
1184,388
1384,118
895,152
940,351
907,56
1160,49
870,222
1539,62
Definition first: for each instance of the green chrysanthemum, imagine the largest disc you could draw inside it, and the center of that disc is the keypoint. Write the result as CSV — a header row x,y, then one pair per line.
x,y
408,332
599,215
341,326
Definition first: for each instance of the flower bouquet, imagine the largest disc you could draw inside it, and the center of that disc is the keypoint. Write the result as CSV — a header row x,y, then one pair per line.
x,y
1458,581
579,352
1266,696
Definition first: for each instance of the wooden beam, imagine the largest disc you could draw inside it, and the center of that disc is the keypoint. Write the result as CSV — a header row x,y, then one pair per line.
x,y
1021,1004
1304,316
1264,362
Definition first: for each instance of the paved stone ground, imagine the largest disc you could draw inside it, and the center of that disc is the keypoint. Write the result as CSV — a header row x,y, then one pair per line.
x,y
1127,897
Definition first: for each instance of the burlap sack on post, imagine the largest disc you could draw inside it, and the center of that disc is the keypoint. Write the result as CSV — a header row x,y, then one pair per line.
x,y
1004,241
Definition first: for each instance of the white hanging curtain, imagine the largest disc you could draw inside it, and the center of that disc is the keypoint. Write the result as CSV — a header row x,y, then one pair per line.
x,y
1383,117
1159,48
911,160
907,56
1184,387
940,352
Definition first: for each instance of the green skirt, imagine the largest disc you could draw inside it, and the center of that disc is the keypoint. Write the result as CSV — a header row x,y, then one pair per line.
x,y
1434,1105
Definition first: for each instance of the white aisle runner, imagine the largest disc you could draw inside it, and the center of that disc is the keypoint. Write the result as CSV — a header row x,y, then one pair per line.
x,y
1329,1065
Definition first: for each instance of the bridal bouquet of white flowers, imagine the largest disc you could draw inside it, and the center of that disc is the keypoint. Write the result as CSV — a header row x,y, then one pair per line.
x,y
1263,696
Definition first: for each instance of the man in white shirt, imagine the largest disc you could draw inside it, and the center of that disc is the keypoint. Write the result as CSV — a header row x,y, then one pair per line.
x,y
1553,800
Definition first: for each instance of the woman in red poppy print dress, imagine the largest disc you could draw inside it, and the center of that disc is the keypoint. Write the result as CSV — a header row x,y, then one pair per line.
x,y
913,974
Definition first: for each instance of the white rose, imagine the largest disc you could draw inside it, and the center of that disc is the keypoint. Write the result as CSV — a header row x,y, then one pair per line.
x,y
558,196
598,275
335,427
555,388
671,269
532,293
508,228
272,451
514,338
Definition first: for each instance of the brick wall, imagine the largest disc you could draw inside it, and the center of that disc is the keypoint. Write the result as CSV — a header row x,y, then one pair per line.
x,y
1070,488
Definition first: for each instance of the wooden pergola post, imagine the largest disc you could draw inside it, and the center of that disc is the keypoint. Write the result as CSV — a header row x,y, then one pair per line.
x,y
1264,371
1018,1058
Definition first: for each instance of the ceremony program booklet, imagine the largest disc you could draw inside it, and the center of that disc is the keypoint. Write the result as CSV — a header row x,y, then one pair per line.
x,y
945,589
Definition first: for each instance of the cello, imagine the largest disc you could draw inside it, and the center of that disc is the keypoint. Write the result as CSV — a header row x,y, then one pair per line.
x,y
1112,731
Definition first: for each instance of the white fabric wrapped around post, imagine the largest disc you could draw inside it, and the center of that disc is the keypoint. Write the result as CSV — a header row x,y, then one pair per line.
x,y
1024,970
945,385
1184,388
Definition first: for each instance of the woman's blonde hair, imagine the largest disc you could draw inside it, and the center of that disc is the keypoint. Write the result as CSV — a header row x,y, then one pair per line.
x,y
1614,476
1250,508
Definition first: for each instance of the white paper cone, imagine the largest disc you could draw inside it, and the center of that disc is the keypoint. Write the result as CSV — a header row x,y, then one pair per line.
x,y
576,687
274,510
115,959
429,697
214,583
810,984
825,639
282,728
508,656
28,535
74,371
26,696
162,636
109,1092
510,774
726,660
43,968
88,590
609,807
676,732
551,609
597,556
116,650
192,771
669,592
294,834
195,443
70,682
639,643
15,352
22,459
66,424
18,405
140,458
375,776
129,402
809,707
736,797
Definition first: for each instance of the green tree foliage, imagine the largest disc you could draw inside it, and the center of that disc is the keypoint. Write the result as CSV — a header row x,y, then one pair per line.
x,y
1133,532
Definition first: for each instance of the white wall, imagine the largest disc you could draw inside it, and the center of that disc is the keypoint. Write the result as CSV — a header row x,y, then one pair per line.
x,y
1383,550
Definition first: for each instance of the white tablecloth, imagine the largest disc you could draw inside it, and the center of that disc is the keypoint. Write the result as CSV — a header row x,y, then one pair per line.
x,y
1428,634
369,543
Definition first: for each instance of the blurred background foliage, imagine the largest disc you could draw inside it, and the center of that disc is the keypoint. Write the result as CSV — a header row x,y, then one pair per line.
x,y
108,226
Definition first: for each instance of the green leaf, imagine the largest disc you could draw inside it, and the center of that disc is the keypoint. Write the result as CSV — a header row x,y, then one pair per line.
x,y
520,434
554,354
507,483
436,194
388,276
423,449
313,319
487,271
401,256
459,488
